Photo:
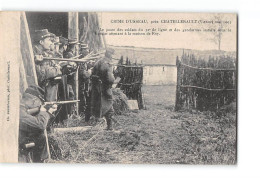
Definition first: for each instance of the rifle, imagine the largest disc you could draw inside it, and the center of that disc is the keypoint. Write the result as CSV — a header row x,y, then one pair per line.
x,y
71,59
77,56
90,56
37,109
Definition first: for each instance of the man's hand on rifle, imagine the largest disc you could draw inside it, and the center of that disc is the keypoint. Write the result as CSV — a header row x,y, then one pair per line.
x,y
39,58
49,108
53,108
73,65
63,63
90,70
42,108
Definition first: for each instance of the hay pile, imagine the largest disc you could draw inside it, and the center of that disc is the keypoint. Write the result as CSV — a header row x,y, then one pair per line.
x,y
120,101
63,146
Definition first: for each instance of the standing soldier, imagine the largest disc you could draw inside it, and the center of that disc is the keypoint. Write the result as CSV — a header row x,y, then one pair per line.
x,y
84,83
47,70
70,69
84,50
102,79
55,48
63,45
71,49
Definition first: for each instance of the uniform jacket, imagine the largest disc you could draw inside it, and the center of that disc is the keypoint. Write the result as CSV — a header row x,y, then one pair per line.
x,y
55,54
32,123
69,54
31,128
101,93
83,71
103,69
45,69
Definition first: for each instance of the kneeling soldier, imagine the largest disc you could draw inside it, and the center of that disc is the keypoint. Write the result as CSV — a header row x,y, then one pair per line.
x,y
32,124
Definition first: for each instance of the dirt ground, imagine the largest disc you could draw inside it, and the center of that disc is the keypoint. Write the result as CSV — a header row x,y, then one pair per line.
x,y
157,135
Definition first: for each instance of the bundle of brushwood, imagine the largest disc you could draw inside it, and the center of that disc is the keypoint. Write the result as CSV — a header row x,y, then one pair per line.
x,y
120,101
205,84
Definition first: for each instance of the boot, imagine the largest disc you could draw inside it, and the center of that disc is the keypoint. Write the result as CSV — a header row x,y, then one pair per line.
x,y
92,121
109,124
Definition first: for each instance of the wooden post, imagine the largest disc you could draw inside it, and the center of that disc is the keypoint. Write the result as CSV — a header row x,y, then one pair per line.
x,y
27,52
73,32
177,100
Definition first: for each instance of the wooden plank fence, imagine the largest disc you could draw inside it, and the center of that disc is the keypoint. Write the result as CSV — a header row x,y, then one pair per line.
x,y
205,84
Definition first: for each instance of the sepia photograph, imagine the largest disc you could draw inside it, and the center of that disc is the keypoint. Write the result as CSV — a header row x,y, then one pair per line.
x,y
118,88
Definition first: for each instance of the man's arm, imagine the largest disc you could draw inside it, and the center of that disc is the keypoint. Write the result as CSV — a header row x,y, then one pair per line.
x,y
110,76
39,121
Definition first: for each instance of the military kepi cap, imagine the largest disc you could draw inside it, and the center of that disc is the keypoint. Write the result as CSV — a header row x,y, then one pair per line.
x,y
42,34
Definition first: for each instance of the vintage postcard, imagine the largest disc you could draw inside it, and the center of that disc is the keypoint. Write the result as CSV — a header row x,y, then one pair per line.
x,y
124,88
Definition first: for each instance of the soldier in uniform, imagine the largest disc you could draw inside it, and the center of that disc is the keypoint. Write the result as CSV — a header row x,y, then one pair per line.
x,y
84,83
71,49
47,70
70,69
84,50
102,79
32,125
55,48
63,45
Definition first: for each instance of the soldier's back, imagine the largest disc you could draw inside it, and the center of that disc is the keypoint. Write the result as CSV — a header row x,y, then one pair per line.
x,y
103,69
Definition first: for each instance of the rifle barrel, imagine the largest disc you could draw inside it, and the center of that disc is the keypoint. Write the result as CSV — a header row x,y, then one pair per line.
x,y
70,59
76,56
61,102
37,109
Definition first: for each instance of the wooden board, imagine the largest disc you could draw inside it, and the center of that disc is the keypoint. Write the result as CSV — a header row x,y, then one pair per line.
x,y
72,129
132,104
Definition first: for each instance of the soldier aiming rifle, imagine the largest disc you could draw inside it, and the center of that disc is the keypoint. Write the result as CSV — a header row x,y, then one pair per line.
x,y
32,126
35,115
46,69
85,69
48,105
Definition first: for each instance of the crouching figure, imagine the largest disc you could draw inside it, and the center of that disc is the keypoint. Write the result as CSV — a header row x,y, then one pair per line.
x,y
34,118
